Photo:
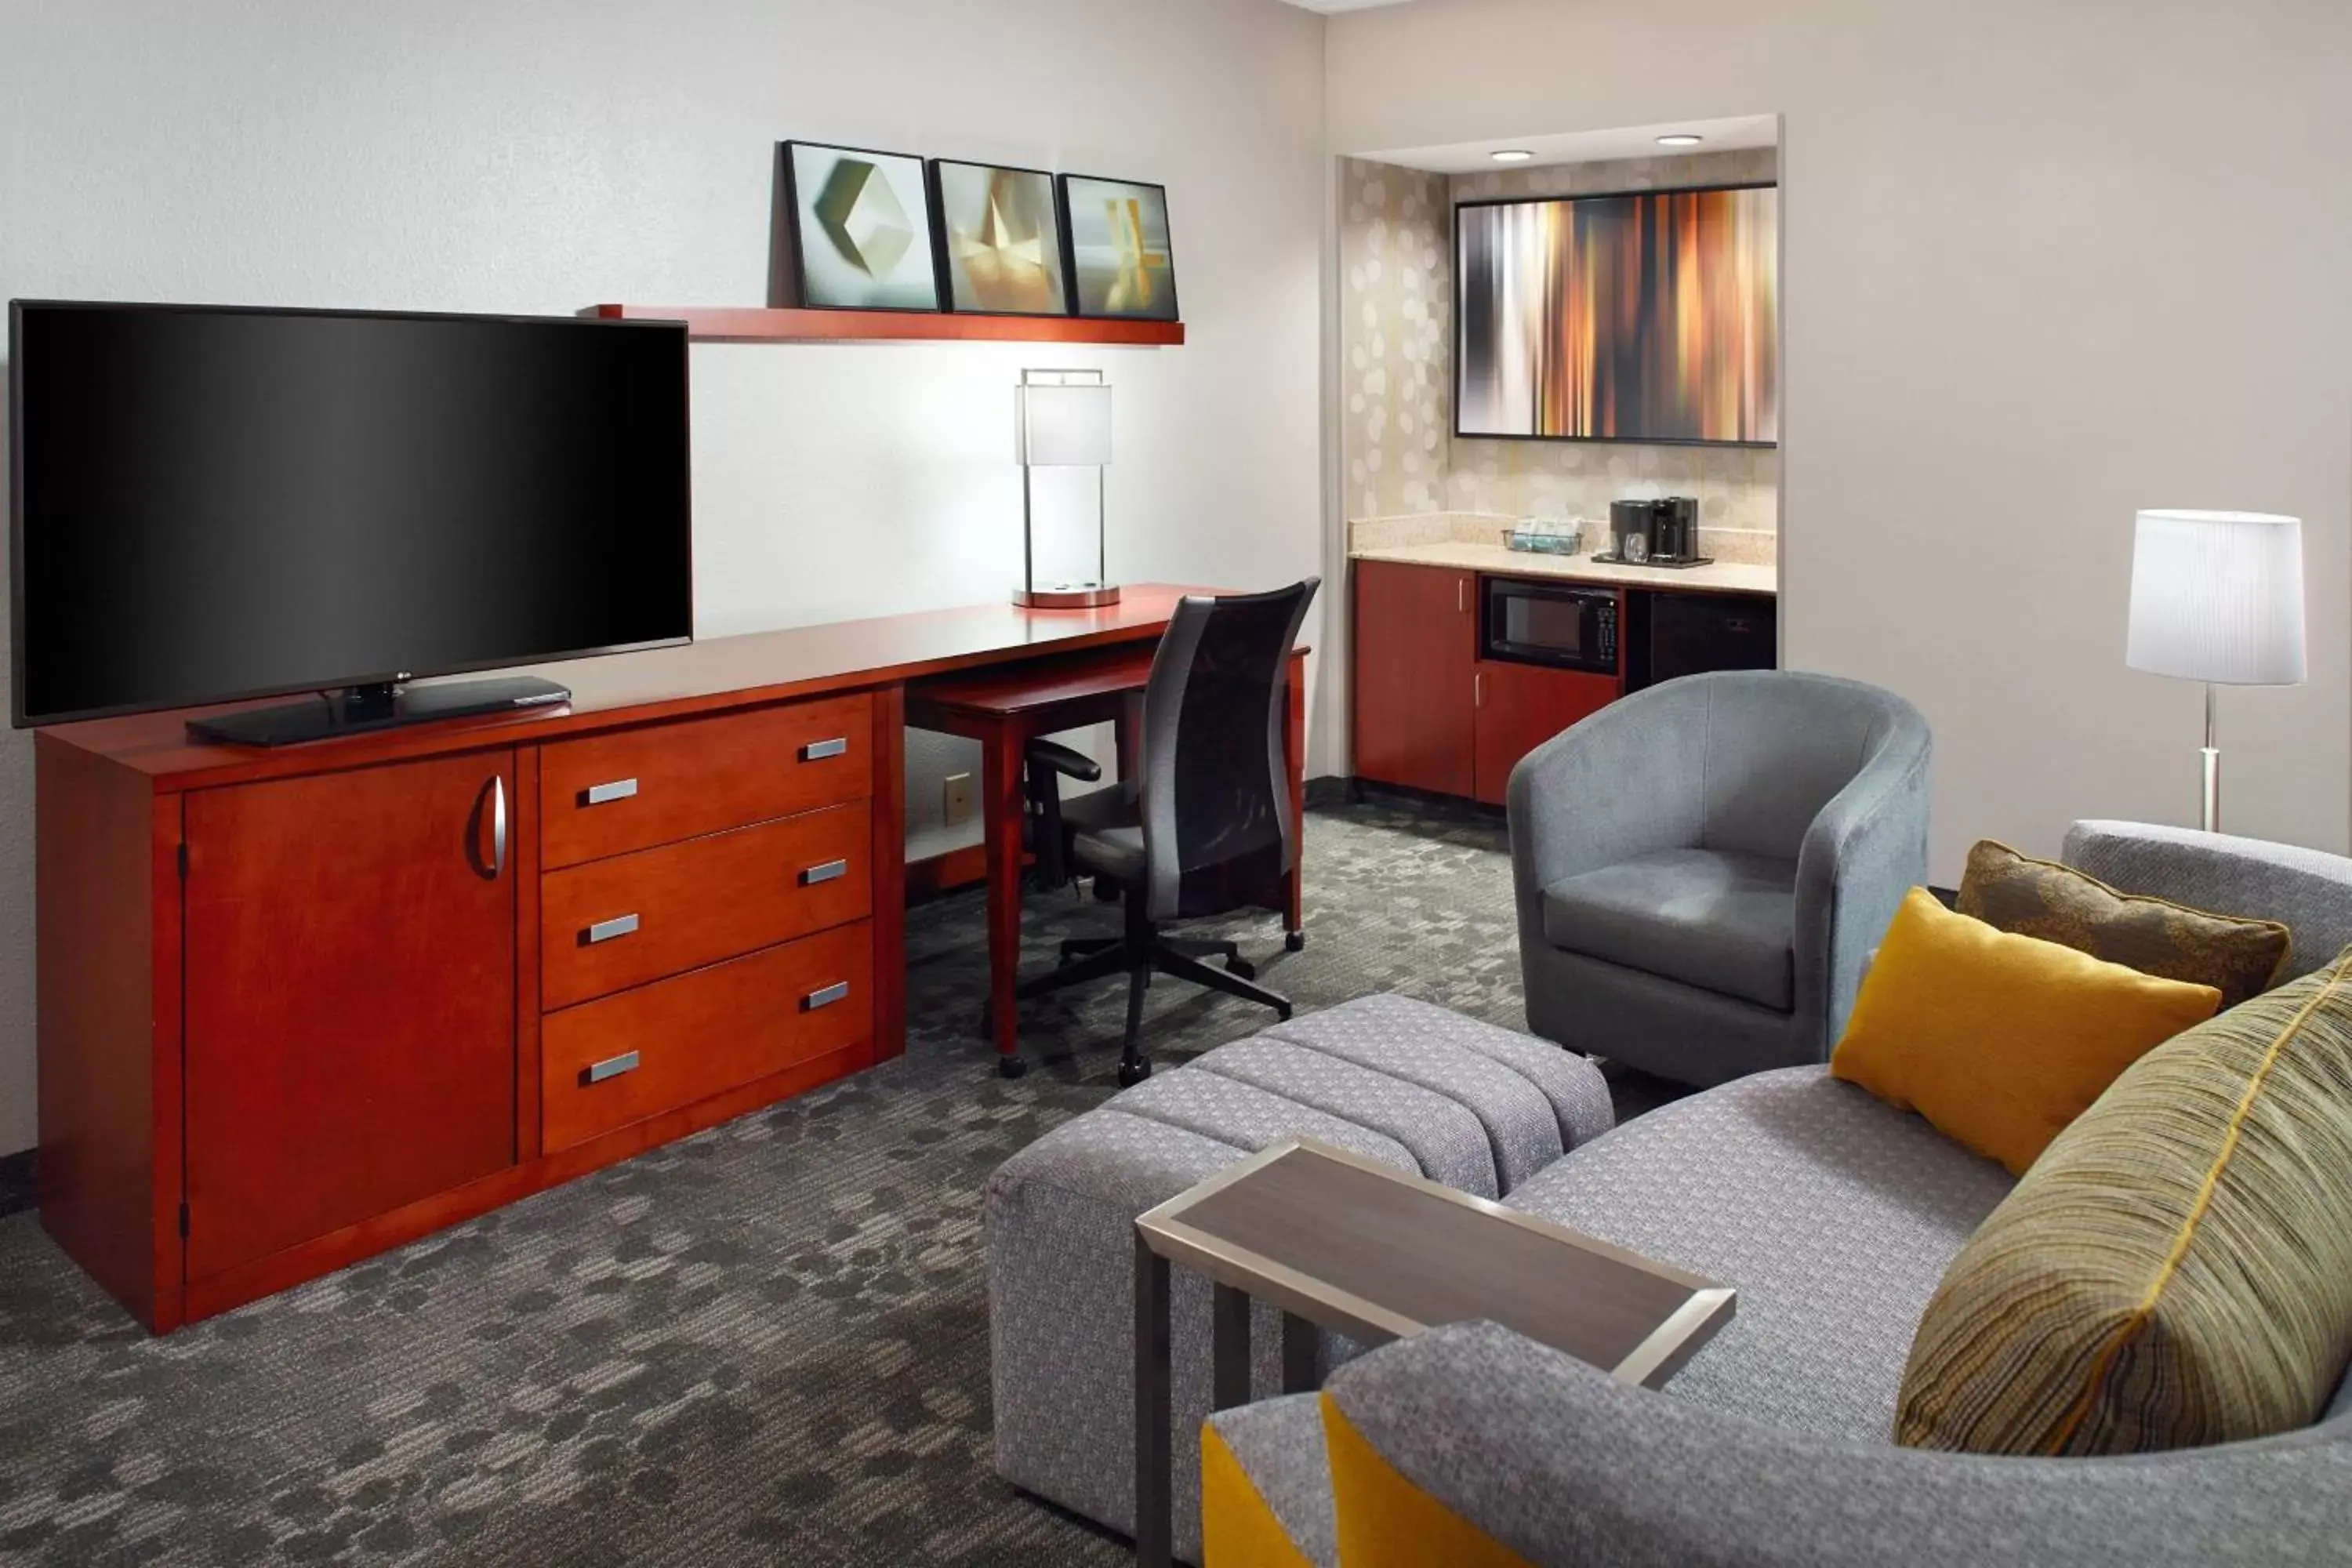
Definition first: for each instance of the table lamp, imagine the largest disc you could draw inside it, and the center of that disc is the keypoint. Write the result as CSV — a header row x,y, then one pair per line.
x,y
1061,419
2217,596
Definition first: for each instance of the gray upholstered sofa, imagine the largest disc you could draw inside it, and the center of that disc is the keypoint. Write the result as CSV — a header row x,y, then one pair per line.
x,y
1701,869
1833,1214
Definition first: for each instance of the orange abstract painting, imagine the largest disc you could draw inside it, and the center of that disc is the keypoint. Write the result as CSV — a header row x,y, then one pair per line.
x,y
1649,316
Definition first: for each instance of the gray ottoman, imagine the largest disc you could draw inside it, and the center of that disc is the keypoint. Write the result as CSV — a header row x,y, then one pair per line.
x,y
1463,1102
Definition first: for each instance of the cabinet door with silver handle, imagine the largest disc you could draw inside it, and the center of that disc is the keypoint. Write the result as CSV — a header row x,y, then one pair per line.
x,y
614,789
829,871
605,930
611,1067
817,750
497,813
826,996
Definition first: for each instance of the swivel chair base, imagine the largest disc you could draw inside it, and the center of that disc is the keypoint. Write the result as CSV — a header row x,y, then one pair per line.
x,y
1142,952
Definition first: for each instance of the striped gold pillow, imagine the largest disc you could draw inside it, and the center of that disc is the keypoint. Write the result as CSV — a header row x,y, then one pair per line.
x,y
2176,1269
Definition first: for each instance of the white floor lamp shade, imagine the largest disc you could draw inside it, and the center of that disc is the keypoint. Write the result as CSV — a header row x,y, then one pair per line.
x,y
2217,596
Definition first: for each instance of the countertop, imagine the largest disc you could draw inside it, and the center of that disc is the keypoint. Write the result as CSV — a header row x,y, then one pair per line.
x,y
1724,577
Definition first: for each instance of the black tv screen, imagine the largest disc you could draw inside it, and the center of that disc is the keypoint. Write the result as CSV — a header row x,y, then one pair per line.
x,y
212,503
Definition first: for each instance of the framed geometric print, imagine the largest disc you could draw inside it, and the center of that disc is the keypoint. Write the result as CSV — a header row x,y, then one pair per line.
x,y
860,227
1000,239
1121,262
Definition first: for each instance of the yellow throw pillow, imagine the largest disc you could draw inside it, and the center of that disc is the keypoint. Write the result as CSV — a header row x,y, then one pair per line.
x,y
2177,1270
2000,1040
2016,893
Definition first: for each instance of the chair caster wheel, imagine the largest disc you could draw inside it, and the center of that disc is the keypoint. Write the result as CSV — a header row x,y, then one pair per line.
x,y
1295,941
1011,1066
1134,1072
1243,967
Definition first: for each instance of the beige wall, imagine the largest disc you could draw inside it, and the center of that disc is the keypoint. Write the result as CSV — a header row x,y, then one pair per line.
x,y
538,155
2042,264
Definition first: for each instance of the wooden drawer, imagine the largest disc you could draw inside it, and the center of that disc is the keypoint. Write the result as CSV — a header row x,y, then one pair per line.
x,y
608,794
622,921
669,1045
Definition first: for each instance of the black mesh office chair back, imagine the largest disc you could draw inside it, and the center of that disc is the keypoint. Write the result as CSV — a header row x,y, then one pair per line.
x,y
1217,829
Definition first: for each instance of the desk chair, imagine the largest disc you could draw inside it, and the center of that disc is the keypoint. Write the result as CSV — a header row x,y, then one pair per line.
x,y
1204,827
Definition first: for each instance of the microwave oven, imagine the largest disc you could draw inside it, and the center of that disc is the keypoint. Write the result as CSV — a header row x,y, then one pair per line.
x,y
1555,624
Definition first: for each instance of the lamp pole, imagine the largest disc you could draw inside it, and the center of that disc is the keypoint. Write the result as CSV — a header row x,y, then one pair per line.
x,y
2213,754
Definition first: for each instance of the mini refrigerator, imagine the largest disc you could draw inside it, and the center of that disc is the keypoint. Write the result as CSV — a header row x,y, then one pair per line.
x,y
1689,634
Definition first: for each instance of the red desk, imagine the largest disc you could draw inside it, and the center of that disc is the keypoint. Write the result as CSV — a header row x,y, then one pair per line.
x,y
1004,710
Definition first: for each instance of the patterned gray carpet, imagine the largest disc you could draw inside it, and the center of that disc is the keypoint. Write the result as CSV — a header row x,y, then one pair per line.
x,y
768,1343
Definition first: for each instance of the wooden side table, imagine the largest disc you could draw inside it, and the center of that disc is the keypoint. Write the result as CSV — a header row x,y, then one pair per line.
x,y
1344,1243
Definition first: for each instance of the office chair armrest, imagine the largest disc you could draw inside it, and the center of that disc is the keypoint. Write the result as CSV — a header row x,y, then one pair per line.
x,y
1063,759
1047,843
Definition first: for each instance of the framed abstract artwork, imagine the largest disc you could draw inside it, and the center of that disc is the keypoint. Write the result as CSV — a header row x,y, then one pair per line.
x,y
1121,262
860,228
1647,316
1000,239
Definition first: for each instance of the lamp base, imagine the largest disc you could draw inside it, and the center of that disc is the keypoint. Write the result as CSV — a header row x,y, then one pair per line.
x,y
1068,596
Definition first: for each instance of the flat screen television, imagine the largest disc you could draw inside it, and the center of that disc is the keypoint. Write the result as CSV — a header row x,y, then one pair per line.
x,y
1651,316
209,504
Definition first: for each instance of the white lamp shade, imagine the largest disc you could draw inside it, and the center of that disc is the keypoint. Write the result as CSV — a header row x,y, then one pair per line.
x,y
1063,426
2218,597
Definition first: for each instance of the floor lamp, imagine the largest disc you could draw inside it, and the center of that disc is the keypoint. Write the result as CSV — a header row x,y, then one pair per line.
x,y
2217,596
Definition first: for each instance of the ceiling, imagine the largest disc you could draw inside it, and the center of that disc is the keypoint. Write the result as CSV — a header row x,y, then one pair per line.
x,y
1328,6
1584,146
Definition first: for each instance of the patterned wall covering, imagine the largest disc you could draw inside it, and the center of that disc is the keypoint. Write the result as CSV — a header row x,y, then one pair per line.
x,y
1397,347
1396,337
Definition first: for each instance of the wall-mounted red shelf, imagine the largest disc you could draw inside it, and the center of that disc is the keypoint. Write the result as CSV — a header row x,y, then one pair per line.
x,y
725,324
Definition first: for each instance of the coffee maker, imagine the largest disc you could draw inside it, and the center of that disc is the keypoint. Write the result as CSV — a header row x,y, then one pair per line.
x,y
1654,532
1631,524
1674,537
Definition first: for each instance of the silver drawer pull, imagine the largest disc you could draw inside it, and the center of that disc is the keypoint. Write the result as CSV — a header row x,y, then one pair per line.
x,y
619,789
817,750
611,1067
605,930
825,873
825,997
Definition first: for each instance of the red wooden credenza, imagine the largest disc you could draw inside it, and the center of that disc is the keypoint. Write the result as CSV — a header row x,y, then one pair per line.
x,y
300,1006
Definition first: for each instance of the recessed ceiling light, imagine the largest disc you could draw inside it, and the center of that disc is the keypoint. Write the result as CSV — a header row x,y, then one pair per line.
x,y
1510,156
1680,139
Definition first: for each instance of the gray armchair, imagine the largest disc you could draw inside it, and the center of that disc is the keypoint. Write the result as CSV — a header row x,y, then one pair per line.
x,y
1703,868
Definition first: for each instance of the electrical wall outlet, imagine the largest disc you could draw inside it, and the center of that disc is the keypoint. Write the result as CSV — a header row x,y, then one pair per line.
x,y
955,804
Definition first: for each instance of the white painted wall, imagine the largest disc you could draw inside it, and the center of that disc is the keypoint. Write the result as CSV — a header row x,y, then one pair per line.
x,y
2044,264
538,155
